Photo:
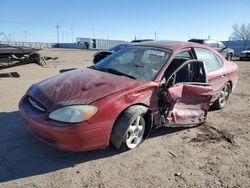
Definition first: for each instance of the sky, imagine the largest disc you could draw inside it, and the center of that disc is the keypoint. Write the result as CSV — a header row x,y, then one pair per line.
x,y
36,20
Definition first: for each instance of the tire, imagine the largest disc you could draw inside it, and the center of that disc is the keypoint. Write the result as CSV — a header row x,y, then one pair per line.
x,y
129,129
223,98
229,57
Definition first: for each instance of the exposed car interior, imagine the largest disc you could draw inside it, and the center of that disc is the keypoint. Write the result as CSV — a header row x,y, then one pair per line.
x,y
192,72
182,70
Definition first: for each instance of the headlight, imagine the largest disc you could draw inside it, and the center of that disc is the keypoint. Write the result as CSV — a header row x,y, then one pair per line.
x,y
74,113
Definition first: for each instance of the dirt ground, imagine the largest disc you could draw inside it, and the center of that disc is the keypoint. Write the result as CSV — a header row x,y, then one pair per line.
x,y
216,154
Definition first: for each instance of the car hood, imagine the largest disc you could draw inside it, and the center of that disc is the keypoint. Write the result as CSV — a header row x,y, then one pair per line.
x,y
80,86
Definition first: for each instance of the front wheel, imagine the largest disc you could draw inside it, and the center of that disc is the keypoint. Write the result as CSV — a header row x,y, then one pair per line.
x,y
223,98
128,131
229,57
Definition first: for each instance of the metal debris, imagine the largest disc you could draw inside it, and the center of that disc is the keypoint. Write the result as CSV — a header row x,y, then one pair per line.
x,y
12,55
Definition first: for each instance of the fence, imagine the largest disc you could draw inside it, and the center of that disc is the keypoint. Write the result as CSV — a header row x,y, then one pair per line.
x,y
90,44
70,45
38,45
237,46
105,44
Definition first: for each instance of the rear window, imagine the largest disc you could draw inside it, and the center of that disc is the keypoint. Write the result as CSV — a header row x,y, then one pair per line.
x,y
211,61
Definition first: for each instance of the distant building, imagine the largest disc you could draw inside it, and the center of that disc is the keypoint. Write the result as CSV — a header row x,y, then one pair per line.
x,y
90,43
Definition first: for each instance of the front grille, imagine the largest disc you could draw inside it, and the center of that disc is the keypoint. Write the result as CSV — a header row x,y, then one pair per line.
x,y
36,104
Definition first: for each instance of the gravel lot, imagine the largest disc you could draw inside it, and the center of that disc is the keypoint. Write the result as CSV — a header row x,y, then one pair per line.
x,y
216,154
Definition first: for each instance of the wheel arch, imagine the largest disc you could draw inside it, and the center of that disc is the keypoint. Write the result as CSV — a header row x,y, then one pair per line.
x,y
231,85
148,117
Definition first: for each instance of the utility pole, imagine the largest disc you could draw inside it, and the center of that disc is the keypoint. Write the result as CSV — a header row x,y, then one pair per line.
x,y
57,28
93,30
13,36
71,29
62,37
155,34
25,36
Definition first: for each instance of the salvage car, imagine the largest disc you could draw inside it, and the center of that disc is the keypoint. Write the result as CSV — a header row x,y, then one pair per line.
x,y
245,54
228,53
123,97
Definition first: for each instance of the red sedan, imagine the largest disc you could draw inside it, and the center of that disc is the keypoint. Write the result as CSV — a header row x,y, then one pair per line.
x,y
121,98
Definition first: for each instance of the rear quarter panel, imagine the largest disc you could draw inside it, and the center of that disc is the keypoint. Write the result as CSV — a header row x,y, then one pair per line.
x,y
231,73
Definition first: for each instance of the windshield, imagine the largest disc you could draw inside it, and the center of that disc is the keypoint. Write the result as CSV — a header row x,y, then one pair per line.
x,y
141,63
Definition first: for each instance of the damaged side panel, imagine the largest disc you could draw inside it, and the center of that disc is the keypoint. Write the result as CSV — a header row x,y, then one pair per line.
x,y
188,104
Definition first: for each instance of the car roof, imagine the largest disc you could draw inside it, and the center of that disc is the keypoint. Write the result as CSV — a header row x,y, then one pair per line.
x,y
172,45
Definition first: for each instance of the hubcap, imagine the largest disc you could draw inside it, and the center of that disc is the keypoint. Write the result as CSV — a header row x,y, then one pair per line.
x,y
224,95
135,132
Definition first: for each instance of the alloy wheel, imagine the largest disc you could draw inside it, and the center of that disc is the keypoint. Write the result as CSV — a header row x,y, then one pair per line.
x,y
135,132
224,95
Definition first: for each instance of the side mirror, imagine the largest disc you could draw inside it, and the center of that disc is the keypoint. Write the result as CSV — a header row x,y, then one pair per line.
x,y
167,83
163,82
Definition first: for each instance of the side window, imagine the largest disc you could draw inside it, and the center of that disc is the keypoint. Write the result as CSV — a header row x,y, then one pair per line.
x,y
192,72
210,60
212,44
216,44
221,45
178,60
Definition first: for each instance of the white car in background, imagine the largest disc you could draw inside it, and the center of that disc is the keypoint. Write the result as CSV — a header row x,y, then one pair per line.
x,y
245,55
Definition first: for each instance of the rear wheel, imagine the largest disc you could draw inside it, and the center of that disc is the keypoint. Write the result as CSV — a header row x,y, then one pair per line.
x,y
128,131
223,98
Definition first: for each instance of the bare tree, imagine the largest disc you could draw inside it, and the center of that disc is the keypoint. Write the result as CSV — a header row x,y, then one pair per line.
x,y
241,32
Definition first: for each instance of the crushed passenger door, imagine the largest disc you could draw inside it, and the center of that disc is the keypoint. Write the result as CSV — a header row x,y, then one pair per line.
x,y
187,95
188,104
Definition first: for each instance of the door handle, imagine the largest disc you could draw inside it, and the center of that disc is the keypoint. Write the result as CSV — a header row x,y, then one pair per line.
x,y
222,76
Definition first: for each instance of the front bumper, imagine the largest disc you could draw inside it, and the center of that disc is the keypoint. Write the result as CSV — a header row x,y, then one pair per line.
x,y
245,55
73,137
